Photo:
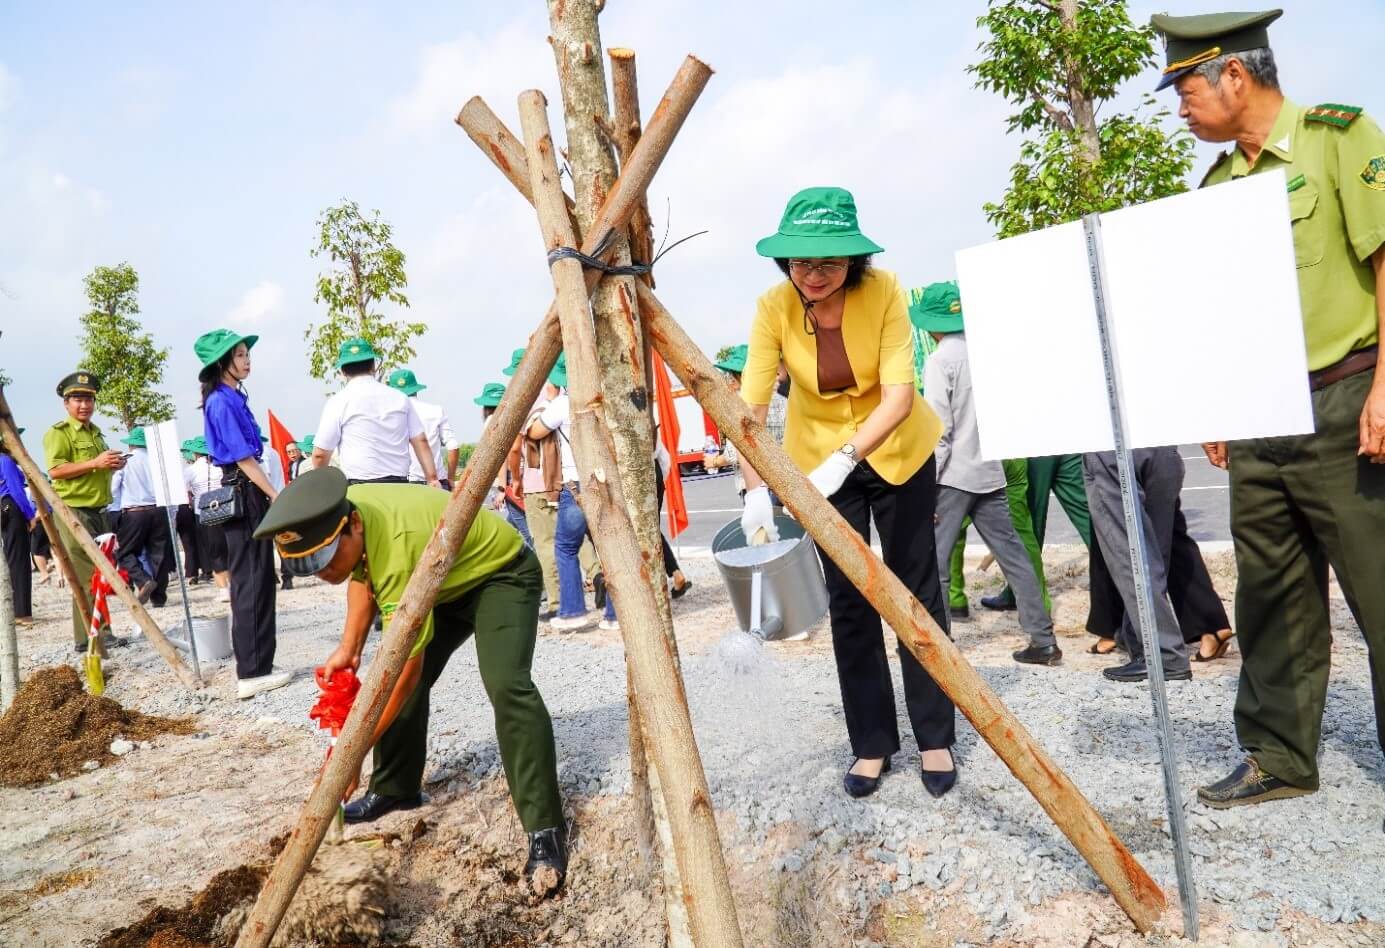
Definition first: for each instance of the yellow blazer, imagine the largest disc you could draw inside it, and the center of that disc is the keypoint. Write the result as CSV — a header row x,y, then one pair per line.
x,y
875,329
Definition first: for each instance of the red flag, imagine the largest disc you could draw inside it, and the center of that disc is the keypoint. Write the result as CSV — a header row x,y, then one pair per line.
x,y
668,434
279,440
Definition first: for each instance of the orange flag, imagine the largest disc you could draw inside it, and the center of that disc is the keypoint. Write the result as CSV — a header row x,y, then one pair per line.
x,y
668,434
279,438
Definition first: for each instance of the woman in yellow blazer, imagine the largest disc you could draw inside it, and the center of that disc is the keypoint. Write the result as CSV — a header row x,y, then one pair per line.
x,y
866,437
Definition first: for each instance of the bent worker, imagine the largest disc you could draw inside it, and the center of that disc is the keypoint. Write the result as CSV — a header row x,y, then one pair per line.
x,y
374,535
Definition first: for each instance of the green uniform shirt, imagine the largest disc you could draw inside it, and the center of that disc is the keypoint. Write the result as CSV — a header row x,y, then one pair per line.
x,y
68,442
1337,203
399,521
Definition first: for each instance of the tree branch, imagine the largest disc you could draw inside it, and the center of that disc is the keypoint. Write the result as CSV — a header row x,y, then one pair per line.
x,y
1056,115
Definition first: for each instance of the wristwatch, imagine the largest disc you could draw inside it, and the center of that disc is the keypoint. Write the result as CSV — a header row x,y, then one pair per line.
x,y
849,450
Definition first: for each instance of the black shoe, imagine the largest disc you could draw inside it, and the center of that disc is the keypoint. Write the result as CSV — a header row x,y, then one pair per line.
x,y
158,605
678,592
1038,655
960,613
548,615
599,590
859,786
547,848
371,806
80,647
1136,671
1000,602
193,580
286,583
938,782
145,590
1245,785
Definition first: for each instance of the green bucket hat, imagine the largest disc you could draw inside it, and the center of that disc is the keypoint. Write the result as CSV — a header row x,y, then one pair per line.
x,y
818,222
405,381
306,444
211,346
735,359
197,445
356,350
513,367
939,309
558,376
135,438
490,395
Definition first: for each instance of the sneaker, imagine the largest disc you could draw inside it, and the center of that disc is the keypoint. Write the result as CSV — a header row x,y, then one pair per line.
x,y
796,637
571,624
250,687
224,595
609,625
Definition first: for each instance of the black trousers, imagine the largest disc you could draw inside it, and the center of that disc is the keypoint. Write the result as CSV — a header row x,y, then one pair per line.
x,y
670,561
17,551
145,531
193,565
904,515
253,585
1195,601
212,540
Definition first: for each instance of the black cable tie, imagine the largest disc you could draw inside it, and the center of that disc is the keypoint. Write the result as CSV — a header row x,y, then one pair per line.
x,y
594,261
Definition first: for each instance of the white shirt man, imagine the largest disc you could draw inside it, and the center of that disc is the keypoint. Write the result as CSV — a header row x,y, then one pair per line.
x,y
441,439
273,467
372,428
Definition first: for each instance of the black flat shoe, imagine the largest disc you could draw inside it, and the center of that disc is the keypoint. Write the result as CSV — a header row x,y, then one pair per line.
x,y
1136,671
599,590
1038,655
959,613
1245,785
547,850
371,806
938,782
678,592
856,785
999,603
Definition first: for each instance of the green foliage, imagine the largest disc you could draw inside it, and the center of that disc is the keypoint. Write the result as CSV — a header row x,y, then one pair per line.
x,y
117,350
1057,75
464,453
367,270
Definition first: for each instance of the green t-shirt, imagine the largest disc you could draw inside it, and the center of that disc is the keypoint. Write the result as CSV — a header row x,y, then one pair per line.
x,y
399,521
1337,203
68,442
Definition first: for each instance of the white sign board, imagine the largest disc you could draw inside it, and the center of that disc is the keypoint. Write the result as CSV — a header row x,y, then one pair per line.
x,y
166,464
1203,306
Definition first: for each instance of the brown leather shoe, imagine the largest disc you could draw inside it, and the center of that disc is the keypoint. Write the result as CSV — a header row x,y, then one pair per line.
x,y
1245,785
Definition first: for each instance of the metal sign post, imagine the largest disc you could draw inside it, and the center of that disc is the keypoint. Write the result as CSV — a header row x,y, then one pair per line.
x,y
1144,592
166,479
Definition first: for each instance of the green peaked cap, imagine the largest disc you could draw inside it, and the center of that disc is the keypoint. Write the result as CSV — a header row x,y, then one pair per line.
x,y
938,309
1190,41
211,346
80,382
405,381
135,438
490,395
513,367
306,520
356,350
818,222
735,359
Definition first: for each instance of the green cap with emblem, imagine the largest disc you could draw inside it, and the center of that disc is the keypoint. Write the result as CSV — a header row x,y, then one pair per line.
x,y
490,395
939,308
306,520
818,222
405,381
356,350
735,359
1190,41
79,383
211,346
513,367
135,438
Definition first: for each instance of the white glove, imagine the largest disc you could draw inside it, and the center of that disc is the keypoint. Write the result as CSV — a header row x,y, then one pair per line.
x,y
832,473
758,515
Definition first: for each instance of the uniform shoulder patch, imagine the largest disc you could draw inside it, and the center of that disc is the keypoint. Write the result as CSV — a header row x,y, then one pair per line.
x,y
1373,174
1334,114
1215,165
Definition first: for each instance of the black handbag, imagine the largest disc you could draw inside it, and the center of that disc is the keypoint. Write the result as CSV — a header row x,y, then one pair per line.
x,y
215,507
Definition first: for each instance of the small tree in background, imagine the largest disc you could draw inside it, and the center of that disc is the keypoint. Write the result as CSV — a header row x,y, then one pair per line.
x,y
1058,62
367,270
119,352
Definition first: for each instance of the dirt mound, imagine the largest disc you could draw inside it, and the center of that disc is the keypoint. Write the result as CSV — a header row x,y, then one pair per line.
x,y
195,925
55,727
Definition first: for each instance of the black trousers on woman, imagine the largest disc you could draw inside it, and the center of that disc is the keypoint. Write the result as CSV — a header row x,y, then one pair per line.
x,y
16,542
193,565
904,515
253,583
670,561
1195,601
212,541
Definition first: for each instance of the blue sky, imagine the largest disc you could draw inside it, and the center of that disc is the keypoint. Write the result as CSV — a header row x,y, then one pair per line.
x,y
200,142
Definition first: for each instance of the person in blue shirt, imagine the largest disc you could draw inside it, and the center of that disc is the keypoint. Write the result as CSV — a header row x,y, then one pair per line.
x,y
17,516
233,438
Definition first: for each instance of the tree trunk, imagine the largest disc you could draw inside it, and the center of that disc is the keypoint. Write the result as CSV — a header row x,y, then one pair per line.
x,y
9,643
1083,108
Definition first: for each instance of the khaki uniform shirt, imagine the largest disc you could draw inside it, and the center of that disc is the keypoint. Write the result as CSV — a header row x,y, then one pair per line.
x,y
68,442
1336,179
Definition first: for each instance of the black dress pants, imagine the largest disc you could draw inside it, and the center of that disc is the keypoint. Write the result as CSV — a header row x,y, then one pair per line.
x,y
16,541
144,530
904,515
670,561
193,564
253,584
212,540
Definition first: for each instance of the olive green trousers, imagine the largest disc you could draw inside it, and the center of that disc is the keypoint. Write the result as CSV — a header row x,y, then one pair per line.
x,y
94,520
1298,505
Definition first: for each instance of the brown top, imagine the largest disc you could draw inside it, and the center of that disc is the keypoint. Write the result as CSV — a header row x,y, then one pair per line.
x,y
834,368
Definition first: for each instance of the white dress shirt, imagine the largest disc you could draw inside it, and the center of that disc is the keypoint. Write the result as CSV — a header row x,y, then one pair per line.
x,y
136,481
368,426
201,476
556,417
273,467
438,430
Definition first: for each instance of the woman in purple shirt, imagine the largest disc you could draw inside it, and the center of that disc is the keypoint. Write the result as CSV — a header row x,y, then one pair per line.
x,y
16,522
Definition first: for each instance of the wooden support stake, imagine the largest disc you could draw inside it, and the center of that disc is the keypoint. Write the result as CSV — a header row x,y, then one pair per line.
x,y
658,686
9,642
151,629
1132,887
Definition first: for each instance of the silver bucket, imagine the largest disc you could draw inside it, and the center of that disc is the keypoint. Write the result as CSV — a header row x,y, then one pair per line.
x,y
778,590
213,637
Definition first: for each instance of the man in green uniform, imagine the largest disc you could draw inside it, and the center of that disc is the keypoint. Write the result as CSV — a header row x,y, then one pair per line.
x,y
81,467
374,535
1301,503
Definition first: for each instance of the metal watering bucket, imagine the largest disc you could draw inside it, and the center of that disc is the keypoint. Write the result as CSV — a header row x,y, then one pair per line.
x,y
213,638
777,589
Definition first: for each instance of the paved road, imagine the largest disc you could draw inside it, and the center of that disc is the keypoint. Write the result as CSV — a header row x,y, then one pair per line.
x,y
712,501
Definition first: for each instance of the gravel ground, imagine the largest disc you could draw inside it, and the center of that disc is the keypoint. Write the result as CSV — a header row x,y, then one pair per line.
x,y
982,865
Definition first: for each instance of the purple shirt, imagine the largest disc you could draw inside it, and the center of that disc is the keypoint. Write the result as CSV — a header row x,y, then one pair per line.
x,y
12,485
229,426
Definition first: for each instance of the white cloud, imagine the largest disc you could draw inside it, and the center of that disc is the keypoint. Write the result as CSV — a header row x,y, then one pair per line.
x,y
260,301
61,182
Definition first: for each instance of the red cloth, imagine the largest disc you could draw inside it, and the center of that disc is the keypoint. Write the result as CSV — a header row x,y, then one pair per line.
x,y
279,438
334,704
668,434
101,590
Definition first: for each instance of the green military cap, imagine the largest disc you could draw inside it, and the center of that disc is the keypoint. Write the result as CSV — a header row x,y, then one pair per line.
x,y
405,381
135,438
939,308
356,350
558,376
79,383
211,346
490,395
1190,41
306,520
818,222
306,444
735,359
513,367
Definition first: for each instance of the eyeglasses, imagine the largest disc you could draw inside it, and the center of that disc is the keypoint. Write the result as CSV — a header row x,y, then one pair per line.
x,y
805,267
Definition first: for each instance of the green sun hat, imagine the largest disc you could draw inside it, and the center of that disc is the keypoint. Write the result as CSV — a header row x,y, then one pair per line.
x,y
735,359
558,376
135,438
513,367
356,350
405,381
211,346
1190,41
818,222
197,445
939,309
490,395
306,444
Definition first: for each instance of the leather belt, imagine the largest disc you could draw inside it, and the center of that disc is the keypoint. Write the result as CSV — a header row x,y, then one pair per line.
x,y
1354,363
141,507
